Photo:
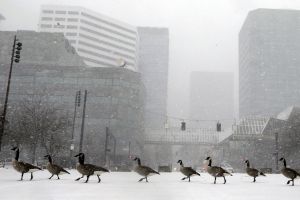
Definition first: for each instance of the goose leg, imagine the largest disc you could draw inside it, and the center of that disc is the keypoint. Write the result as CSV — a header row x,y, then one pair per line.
x,y
99,179
31,177
183,178
57,177
87,178
254,179
215,180
51,176
22,177
288,182
189,179
224,179
79,178
146,179
141,179
293,182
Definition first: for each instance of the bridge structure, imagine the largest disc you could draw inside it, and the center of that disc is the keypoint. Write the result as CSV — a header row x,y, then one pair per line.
x,y
174,136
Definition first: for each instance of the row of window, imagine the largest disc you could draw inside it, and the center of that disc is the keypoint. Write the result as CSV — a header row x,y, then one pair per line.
x,y
105,49
107,36
104,42
60,12
58,26
108,23
107,29
60,19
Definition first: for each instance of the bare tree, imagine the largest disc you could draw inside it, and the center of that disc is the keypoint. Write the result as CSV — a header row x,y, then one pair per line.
x,y
36,122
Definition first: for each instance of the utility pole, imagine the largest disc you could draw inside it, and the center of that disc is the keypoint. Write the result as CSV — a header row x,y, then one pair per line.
x,y
15,57
276,152
82,123
77,104
105,145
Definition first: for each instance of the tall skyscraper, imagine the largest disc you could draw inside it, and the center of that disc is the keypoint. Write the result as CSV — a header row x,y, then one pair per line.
x,y
211,99
153,66
101,41
269,60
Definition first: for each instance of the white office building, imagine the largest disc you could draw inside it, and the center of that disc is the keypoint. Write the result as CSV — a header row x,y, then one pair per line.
x,y
101,41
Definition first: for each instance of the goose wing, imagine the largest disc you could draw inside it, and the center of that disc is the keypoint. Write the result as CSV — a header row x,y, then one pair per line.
x,y
93,168
147,170
252,172
59,169
30,166
219,171
290,173
188,171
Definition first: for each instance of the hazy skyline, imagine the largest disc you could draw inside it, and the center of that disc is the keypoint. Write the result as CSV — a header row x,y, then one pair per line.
x,y
203,34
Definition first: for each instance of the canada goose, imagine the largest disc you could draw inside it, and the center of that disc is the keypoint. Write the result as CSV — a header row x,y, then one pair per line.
x,y
144,170
253,172
88,169
288,172
21,166
216,171
55,169
187,171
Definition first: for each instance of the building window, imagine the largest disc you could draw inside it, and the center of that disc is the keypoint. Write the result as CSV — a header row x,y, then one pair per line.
x,y
48,11
46,25
46,18
60,12
59,26
71,34
60,19
72,20
71,27
73,12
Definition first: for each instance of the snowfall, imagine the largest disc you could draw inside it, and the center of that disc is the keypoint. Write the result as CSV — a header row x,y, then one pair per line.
x,y
125,186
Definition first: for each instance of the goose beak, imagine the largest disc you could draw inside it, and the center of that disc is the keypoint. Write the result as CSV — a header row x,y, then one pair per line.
x,y
76,155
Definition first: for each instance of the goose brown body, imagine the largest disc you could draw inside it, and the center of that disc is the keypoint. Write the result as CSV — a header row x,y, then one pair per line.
x,y
21,166
187,171
288,172
144,170
216,171
88,169
55,169
252,171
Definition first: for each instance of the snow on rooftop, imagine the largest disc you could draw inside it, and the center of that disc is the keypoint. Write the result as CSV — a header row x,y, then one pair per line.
x,y
285,114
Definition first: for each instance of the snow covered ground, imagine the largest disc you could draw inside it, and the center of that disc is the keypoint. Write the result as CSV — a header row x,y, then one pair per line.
x,y
124,186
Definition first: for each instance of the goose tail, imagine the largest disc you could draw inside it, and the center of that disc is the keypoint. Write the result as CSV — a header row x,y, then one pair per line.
x,y
261,174
65,171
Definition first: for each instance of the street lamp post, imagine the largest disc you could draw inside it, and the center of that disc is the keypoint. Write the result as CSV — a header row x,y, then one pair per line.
x,y
15,57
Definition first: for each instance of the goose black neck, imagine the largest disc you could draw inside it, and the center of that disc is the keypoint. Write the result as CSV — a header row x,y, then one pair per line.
x,y
17,154
139,161
81,159
209,163
181,164
50,159
248,164
284,163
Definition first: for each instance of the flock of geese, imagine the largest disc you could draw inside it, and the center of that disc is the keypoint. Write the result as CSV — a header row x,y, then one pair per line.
x,y
90,170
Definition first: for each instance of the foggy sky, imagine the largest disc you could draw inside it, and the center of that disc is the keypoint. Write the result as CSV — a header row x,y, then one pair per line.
x,y
203,33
